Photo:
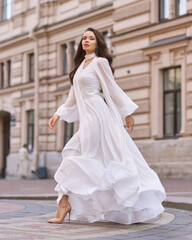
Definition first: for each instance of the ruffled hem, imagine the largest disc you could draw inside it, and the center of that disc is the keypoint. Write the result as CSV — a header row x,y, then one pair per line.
x,y
85,208
114,199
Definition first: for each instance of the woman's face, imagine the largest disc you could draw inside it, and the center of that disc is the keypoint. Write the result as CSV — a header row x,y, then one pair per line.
x,y
89,42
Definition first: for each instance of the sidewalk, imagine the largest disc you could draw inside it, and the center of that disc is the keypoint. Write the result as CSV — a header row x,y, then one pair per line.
x,y
179,192
28,189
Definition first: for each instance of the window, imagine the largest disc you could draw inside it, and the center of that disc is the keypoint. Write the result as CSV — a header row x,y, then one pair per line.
x,y
180,7
30,130
6,6
164,5
106,38
2,75
31,67
9,73
5,74
73,49
64,59
68,131
163,10
172,101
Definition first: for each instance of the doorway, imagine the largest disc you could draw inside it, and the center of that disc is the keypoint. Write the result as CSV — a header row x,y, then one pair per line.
x,y
4,141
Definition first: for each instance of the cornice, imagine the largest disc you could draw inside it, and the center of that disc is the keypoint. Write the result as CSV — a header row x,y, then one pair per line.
x,y
15,40
76,19
66,23
18,87
153,28
170,46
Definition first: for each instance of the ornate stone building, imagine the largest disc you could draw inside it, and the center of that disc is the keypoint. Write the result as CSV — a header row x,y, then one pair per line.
x,y
152,47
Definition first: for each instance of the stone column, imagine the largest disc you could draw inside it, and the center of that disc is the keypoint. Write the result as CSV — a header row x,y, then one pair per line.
x,y
189,6
154,11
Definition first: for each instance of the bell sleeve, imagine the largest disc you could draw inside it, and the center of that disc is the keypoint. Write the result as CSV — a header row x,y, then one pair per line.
x,y
69,111
123,103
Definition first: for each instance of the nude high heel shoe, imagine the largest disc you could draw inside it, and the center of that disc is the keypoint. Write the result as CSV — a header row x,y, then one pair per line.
x,y
62,211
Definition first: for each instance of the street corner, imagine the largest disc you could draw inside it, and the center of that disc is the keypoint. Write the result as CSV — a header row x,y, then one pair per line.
x,y
27,219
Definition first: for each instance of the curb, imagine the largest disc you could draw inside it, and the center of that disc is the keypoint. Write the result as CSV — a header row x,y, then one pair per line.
x,y
178,205
168,204
28,197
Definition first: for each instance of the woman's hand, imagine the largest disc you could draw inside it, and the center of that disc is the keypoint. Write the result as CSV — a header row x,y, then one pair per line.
x,y
53,121
129,122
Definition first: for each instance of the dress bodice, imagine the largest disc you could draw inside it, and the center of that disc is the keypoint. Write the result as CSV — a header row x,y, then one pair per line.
x,y
89,82
95,80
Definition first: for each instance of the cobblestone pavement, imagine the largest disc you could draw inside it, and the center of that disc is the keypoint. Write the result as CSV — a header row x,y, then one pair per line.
x,y
27,220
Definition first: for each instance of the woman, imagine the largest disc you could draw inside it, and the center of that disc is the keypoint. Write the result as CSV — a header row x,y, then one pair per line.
x,y
24,162
103,175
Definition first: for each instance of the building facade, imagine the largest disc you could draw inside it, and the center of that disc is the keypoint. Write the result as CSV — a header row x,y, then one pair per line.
x,y
152,48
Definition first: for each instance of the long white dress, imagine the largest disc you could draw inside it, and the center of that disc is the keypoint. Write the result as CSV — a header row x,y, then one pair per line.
x,y
103,171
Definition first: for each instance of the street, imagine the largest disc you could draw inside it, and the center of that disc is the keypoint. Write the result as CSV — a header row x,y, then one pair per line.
x,y
26,205
27,219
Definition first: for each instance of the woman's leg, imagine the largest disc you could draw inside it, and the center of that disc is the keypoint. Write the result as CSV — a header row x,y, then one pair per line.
x,y
63,209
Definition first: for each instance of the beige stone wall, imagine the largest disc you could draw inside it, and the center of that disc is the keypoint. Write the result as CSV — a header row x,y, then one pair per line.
x,y
134,26
132,67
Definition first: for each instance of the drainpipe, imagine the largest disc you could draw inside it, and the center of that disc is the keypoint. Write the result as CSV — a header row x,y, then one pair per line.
x,y
36,89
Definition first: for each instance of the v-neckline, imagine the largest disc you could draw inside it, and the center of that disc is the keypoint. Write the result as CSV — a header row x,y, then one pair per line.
x,y
87,64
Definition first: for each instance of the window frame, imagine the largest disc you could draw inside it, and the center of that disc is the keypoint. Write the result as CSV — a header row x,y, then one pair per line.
x,y
64,63
30,66
72,52
4,9
29,126
106,38
66,137
175,91
2,66
9,73
177,8
160,2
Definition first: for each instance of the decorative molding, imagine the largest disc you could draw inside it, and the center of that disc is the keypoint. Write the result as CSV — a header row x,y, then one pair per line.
x,y
153,29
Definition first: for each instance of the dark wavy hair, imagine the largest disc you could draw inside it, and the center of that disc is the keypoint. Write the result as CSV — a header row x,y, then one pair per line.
x,y
100,51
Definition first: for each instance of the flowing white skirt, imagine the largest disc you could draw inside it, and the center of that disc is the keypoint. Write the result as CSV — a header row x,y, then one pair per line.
x,y
100,185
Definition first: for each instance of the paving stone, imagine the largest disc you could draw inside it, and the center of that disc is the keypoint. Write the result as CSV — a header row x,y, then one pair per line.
x,y
31,223
188,237
149,238
173,234
179,238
